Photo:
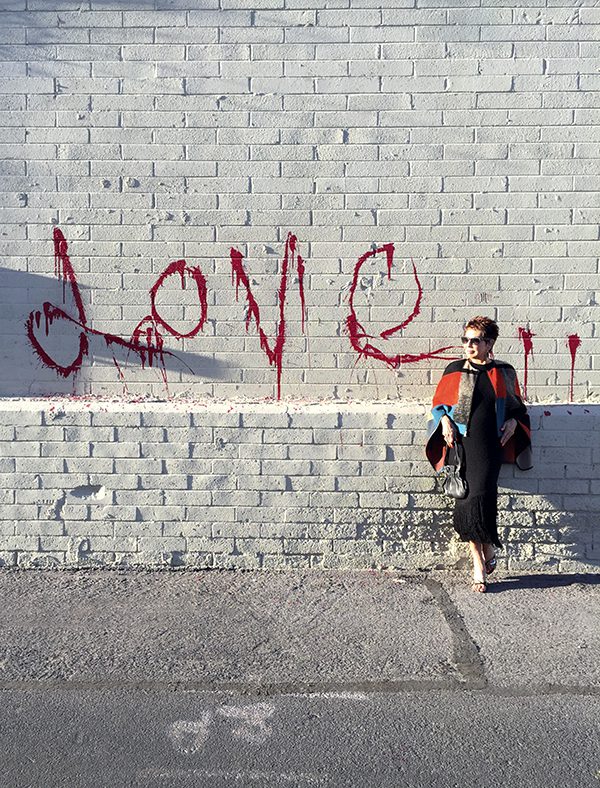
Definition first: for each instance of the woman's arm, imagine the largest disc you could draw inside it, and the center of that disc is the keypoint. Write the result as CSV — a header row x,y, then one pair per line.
x,y
448,430
508,430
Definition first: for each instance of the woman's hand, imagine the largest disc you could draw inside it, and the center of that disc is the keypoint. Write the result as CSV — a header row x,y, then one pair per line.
x,y
448,430
508,430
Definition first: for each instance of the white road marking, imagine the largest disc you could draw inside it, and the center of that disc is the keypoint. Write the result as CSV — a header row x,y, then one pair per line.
x,y
189,736
253,726
249,724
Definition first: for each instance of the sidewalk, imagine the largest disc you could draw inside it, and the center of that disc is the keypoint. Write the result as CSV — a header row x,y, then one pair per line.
x,y
317,631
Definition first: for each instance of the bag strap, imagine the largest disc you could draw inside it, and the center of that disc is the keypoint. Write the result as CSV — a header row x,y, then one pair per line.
x,y
458,454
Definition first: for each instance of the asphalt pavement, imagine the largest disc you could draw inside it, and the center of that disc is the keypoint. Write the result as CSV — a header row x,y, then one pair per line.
x,y
216,678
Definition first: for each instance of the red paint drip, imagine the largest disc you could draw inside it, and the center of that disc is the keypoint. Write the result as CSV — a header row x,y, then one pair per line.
x,y
573,342
147,341
526,337
359,336
300,265
240,277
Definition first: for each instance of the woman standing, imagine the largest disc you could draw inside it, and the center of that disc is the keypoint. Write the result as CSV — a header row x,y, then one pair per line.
x,y
478,404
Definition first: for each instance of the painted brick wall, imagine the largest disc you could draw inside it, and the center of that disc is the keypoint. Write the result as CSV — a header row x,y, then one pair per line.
x,y
199,202
463,133
275,486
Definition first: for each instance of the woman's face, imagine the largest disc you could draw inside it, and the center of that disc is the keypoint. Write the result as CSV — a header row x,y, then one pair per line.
x,y
475,346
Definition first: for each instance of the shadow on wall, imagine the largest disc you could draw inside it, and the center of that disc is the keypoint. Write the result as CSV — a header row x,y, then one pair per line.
x,y
61,338
549,516
17,7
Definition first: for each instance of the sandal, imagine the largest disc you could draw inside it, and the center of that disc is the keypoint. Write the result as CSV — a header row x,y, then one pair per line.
x,y
490,565
476,584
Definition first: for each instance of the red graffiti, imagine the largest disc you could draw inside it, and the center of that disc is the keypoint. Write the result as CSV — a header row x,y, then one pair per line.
x,y
63,269
147,337
359,337
240,277
573,342
195,274
148,343
526,336
146,340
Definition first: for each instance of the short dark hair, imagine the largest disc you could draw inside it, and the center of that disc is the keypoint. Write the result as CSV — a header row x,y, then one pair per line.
x,y
486,324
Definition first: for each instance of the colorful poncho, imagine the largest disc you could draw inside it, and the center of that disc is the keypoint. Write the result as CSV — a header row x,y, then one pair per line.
x,y
453,397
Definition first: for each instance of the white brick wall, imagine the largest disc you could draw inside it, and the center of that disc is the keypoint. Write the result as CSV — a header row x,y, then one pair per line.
x,y
464,133
274,486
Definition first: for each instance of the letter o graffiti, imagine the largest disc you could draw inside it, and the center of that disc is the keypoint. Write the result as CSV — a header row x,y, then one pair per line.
x,y
180,267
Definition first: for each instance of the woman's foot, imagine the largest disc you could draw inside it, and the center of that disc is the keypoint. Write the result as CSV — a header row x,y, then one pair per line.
x,y
490,565
478,555
479,580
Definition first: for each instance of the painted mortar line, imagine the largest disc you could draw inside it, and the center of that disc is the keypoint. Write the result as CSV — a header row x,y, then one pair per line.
x,y
328,691
300,688
466,652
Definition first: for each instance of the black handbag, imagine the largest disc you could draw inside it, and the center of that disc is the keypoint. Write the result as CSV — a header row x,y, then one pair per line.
x,y
454,484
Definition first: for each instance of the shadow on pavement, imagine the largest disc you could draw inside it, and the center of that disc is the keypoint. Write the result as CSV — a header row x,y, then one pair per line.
x,y
542,581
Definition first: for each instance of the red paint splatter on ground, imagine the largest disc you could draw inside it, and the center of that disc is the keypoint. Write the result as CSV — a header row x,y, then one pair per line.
x,y
526,336
573,342
240,277
359,337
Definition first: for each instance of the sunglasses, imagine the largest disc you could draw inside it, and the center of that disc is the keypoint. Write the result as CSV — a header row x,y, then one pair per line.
x,y
473,340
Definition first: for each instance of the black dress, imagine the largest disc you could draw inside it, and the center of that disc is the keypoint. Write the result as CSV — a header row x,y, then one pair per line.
x,y
474,517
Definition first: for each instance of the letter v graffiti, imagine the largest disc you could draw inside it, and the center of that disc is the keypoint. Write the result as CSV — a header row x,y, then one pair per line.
x,y
239,277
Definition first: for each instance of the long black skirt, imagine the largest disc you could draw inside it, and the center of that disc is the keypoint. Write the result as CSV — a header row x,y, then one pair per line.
x,y
475,517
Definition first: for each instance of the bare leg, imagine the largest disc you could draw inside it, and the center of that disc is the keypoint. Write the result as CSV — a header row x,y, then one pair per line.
x,y
478,566
489,555
488,551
